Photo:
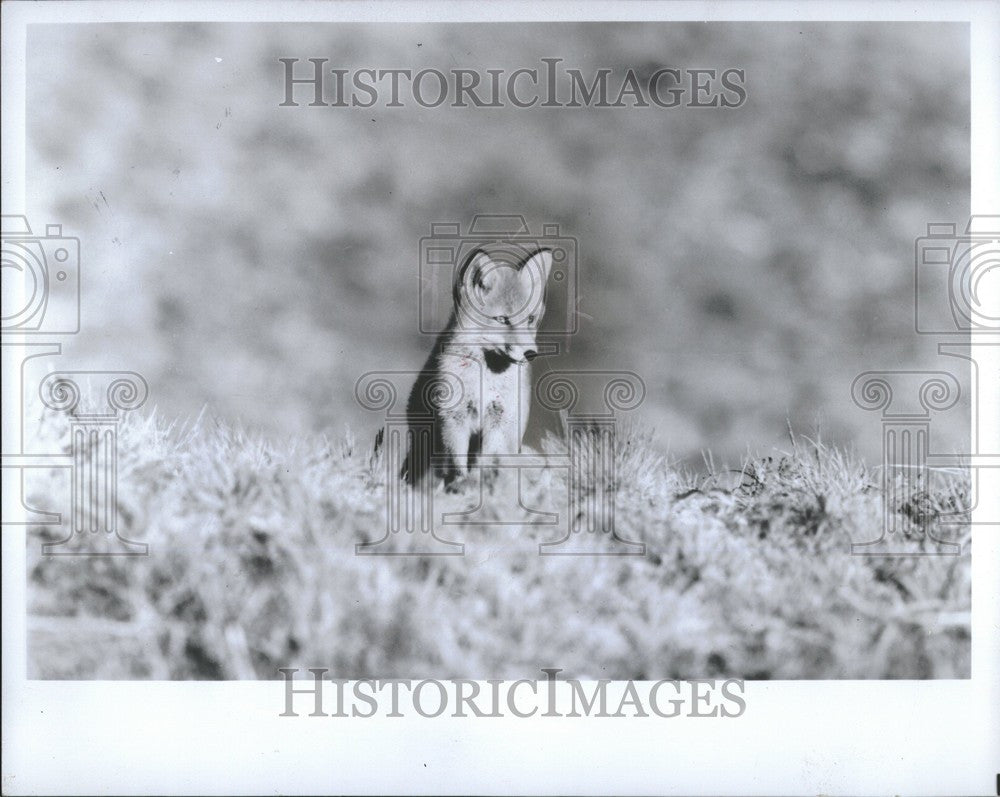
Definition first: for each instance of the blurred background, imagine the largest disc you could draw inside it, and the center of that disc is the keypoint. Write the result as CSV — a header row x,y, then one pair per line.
x,y
748,263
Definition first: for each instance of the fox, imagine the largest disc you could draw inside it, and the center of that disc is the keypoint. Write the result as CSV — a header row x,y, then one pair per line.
x,y
475,386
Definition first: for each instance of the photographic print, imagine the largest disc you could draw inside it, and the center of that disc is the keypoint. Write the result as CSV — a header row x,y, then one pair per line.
x,y
582,354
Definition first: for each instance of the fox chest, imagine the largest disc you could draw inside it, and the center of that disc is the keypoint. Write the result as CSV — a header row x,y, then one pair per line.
x,y
491,400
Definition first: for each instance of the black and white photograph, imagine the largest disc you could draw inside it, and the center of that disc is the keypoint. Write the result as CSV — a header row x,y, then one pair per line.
x,y
449,364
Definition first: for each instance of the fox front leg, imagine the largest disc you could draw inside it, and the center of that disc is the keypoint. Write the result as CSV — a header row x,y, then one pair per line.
x,y
455,437
501,437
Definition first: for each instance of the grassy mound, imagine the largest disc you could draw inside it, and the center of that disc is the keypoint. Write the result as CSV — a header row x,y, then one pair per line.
x,y
252,566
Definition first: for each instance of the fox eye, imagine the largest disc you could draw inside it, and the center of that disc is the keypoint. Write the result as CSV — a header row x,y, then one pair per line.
x,y
502,319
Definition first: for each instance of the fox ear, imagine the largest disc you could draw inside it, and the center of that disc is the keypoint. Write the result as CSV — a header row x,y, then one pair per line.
x,y
476,276
538,267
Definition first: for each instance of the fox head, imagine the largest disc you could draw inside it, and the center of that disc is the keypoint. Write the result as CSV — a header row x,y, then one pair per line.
x,y
499,305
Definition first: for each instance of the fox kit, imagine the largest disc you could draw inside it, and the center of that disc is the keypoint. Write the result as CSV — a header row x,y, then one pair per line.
x,y
475,389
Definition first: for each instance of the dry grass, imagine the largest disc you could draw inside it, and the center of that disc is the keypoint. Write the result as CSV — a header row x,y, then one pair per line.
x,y
252,566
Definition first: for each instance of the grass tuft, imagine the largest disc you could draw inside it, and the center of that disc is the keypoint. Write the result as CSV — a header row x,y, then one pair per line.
x,y
748,572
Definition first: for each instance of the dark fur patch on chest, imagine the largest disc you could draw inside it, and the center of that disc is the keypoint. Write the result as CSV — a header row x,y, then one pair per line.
x,y
497,363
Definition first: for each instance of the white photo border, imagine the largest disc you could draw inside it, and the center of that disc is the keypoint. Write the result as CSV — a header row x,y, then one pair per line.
x,y
834,737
